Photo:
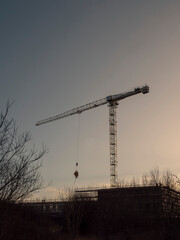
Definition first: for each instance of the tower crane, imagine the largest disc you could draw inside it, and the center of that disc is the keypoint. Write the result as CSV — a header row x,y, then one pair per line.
x,y
112,102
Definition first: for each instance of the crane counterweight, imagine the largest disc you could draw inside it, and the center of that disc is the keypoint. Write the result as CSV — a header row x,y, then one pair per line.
x,y
145,89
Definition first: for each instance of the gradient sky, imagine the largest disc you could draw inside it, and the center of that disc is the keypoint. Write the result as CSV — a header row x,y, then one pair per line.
x,y
57,55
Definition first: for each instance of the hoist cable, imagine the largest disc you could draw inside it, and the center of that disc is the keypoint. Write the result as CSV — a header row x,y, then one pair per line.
x,y
77,146
77,150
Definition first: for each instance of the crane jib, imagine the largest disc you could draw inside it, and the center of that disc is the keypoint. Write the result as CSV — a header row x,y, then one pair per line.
x,y
77,110
111,98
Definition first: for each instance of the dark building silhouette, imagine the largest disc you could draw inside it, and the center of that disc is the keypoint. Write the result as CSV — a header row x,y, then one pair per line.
x,y
146,202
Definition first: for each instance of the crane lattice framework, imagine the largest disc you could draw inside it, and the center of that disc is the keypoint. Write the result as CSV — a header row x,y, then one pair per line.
x,y
112,102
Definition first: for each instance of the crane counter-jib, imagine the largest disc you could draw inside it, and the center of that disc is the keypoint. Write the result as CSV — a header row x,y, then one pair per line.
x,y
121,96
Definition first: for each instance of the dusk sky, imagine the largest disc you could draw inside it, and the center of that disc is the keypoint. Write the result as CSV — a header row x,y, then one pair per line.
x,y
56,55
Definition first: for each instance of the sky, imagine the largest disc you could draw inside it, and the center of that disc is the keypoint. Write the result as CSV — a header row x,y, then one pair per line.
x,y
58,55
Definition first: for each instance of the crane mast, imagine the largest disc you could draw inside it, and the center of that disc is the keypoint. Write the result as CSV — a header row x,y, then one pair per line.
x,y
112,102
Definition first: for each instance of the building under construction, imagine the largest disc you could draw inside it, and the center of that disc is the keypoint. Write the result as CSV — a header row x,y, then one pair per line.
x,y
152,211
149,201
143,202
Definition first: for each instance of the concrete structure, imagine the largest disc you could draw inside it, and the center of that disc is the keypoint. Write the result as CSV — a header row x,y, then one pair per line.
x,y
146,202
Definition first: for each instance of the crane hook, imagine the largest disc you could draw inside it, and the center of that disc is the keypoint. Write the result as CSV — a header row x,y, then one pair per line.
x,y
76,174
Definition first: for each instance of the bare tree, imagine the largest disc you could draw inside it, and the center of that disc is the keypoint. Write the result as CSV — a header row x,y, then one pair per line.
x,y
155,177
74,210
19,165
165,178
145,180
134,182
